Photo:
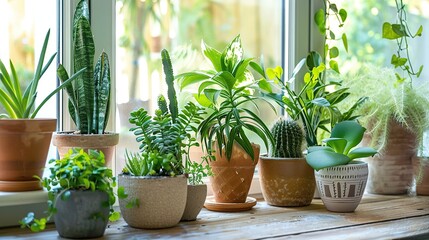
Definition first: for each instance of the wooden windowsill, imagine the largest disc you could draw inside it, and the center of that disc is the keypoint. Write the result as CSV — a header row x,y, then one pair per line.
x,y
377,217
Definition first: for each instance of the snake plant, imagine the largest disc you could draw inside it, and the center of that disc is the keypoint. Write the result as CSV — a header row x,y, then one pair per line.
x,y
89,95
18,104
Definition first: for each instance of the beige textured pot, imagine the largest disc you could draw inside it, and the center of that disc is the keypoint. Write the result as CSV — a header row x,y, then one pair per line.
x,y
421,175
231,179
341,187
106,143
24,145
391,171
194,202
162,200
286,182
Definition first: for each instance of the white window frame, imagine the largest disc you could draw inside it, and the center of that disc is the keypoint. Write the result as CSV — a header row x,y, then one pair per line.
x,y
302,36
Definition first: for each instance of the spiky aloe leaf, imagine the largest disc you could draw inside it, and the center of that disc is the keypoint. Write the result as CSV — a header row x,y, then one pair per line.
x,y
84,51
102,92
169,78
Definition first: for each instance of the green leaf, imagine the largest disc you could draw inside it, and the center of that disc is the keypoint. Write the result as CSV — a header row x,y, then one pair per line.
x,y
419,31
349,130
319,19
388,32
331,35
420,71
343,14
361,152
121,193
400,30
323,159
265,85
398,61
115,216
319,148
321,102
337,144
334,66
333,7
203,100
345,42
313,60
333,52
66,195
213,55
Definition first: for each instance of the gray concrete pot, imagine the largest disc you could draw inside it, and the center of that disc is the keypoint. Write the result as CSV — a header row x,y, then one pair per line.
x,y
75,216
194,202
342,187
162,200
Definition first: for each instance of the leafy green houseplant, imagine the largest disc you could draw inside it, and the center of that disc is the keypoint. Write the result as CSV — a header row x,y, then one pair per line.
x,y
79,177
316,104
89,96
20,130
227,92
164,138
340,179
285,177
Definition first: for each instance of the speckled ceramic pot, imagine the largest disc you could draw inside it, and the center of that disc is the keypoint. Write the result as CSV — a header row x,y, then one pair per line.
x,y
194,202
286,182
341,187
162,200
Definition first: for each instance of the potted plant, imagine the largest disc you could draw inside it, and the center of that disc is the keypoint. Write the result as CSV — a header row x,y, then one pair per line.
x,y
396,117
197,189
227,94
24,139
158,168
80,196
340,180
286,178
89,96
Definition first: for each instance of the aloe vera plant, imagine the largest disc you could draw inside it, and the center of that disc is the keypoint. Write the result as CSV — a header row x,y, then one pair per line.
x,y
89,95
20,104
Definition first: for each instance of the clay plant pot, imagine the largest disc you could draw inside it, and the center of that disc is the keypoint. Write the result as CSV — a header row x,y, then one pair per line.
x,y
232,178
195,199
286,182
162,200
391,171
106,143
341,187
421,175
24,145
84,215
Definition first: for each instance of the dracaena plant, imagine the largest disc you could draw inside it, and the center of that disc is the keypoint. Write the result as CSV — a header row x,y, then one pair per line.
x,y
340,148
89,95
21,104
78,170
227,91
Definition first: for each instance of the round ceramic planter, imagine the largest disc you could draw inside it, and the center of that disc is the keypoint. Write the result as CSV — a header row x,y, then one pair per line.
x,y
105,143
162,200
391,171
421,175
24,145
341,187
232,178
286,182
84,215
196,197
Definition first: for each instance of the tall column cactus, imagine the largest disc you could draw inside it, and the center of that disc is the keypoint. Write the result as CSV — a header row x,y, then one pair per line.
x,y
289,138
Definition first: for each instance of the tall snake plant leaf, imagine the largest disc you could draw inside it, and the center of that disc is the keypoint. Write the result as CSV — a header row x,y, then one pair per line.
x,y
82,10
102,92
72,103
84,51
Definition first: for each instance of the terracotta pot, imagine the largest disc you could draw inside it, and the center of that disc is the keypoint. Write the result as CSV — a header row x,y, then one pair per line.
x,y
106,143
75,216
195,199
24,145
231,179
162,200
391,171
286,182
341,187
421,175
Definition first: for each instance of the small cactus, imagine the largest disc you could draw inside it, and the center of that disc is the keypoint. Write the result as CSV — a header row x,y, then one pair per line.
x,y
169,79
289,138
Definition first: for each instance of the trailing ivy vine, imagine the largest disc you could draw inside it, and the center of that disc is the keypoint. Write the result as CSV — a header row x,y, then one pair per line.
x,y
400,31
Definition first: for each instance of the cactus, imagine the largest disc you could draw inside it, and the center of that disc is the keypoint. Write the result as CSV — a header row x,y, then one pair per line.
x,y
169,78
289,137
